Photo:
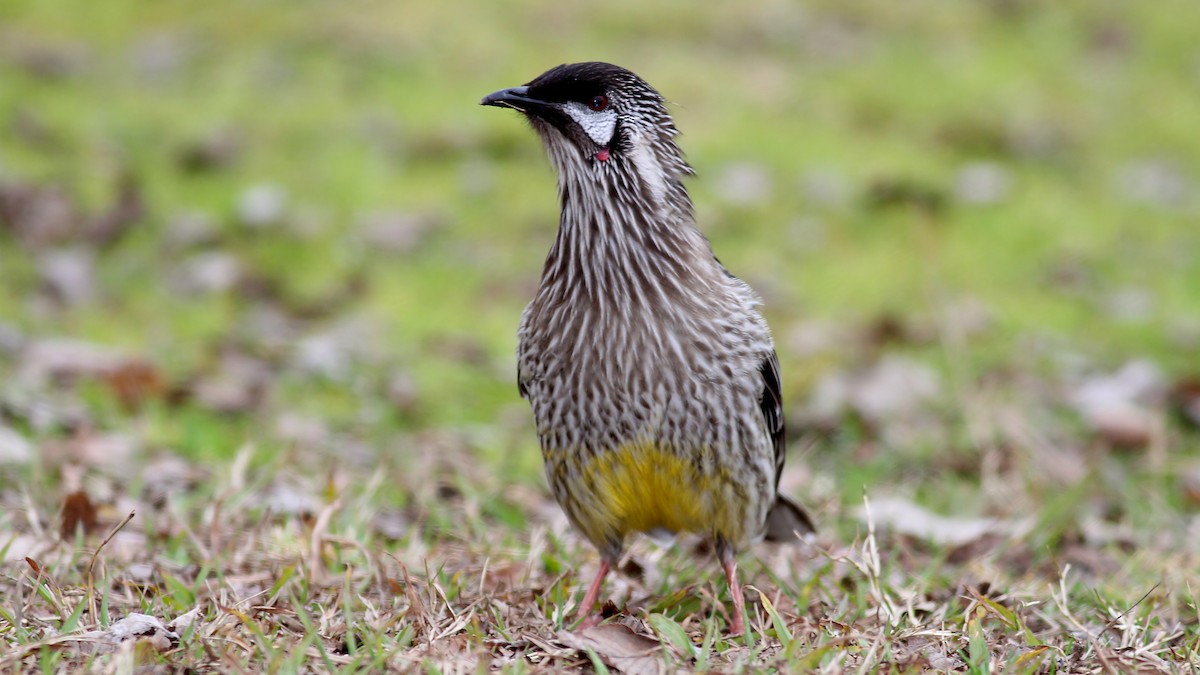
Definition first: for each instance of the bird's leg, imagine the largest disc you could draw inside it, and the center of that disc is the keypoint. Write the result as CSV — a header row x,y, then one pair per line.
x,y
725,552
593,594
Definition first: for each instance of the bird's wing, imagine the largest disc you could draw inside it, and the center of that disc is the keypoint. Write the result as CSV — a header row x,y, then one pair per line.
x,y
522,333
786,518
771,403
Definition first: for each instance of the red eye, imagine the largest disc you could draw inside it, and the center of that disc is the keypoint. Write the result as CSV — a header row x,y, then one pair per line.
x,y
598,103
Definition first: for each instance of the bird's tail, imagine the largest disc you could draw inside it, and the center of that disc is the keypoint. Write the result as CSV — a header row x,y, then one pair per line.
x,y
787,521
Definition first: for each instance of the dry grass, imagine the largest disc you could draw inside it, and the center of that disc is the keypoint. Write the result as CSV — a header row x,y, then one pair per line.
x,y
253,568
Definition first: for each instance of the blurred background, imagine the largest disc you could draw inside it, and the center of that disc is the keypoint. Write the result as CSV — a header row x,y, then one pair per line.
x,y
288,226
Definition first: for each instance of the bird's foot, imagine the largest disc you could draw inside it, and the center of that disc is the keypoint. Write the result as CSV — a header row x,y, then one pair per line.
x,y
587,618
738,625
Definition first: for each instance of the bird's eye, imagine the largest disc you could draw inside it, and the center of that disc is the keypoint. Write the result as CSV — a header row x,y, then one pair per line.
x,y
598,103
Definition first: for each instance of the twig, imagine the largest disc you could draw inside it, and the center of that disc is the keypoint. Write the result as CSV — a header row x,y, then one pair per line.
x,y
91,582
1129,609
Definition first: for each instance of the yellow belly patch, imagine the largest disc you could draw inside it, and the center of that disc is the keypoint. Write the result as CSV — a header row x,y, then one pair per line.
x,y
641,488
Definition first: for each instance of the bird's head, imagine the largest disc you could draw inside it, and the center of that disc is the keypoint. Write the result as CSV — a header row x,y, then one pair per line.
x,y
598,118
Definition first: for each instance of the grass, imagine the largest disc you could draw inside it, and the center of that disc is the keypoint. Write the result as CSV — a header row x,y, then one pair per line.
x,y
324,449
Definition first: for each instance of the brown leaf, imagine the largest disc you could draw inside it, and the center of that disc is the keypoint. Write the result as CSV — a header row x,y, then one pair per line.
x,y
1121,407
77,511
618,647
134,382
893,192
41,216
38,215
217,150
1189,479
886,329
1123,426
1185,397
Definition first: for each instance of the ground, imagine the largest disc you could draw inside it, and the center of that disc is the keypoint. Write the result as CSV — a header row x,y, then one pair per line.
x,y
263,263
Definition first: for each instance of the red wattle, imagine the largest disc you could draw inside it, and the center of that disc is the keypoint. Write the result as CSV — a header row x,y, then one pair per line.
x,y
602,155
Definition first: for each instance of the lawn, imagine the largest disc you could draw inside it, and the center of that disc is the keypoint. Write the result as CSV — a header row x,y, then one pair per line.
x,y
261,267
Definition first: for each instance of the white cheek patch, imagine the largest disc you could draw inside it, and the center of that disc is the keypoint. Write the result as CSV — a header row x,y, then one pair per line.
x,y
599,126
648,167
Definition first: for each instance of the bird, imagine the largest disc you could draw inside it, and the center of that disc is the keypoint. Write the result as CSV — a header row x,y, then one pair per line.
x,y
651,373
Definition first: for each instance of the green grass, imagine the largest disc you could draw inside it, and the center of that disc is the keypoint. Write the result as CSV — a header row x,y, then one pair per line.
x,y
860,117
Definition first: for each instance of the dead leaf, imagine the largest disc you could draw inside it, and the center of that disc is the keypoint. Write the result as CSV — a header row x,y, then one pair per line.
x,y
38,215
22,546
894,389
134,382
1185,396
391,523
56,59
239,384
905,517
903,191
140,627
397,231
57,359
292,496
1189,479
190,229
982,183
31,127
168,476
68,275
454,654
216,150
207,272
77,511
1119,406
181,623
404,393
1122,426
128,208
113,451
262,206
41,216
618,647
14,448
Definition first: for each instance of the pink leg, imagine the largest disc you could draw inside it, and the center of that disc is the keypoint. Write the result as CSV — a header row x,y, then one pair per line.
x,y
590,598
735,589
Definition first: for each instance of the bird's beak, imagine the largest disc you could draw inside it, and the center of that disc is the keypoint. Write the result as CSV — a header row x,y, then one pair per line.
x,y
516,98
